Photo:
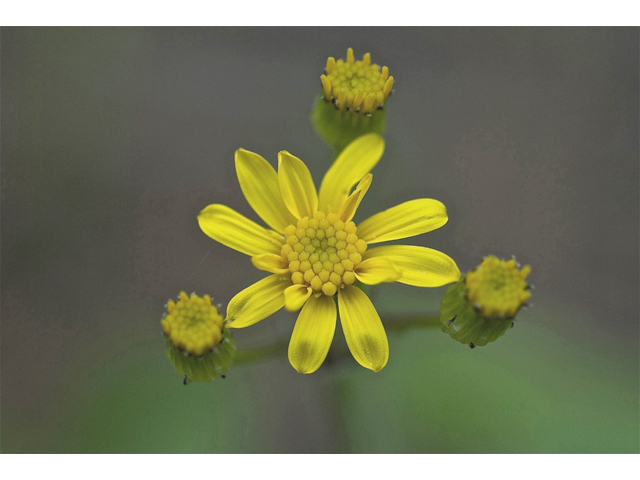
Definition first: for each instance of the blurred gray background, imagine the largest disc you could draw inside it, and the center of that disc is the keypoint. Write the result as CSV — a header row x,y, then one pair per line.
x,y
113,139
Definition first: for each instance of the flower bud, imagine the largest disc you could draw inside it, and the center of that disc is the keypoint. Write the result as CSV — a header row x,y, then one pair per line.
x,y
352,100
483,304
198,344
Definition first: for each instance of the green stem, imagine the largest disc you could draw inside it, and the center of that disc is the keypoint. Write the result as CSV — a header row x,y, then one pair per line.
x,y
250,355
410,321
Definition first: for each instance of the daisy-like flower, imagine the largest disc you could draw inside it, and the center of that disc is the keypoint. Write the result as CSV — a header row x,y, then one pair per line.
x,y
314,251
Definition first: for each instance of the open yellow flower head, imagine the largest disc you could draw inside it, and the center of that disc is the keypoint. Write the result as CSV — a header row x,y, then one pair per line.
x,y
357,86
315,252
482,306
197,343
323,252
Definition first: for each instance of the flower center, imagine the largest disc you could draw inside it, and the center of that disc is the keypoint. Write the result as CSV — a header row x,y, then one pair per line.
x,y
498,288
193,324
322,252
356,86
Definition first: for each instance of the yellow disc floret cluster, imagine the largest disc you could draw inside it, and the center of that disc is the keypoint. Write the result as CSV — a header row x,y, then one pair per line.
x,y
356,86
497,288
322,252
193,324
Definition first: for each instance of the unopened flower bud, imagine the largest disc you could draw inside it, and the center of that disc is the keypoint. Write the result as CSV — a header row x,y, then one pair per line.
x,y
198,344
483,304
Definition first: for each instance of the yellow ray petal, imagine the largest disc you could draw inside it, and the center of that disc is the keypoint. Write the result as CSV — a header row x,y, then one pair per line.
x,y
405,220
384,74
259,183
388,86
363,329
270,262
326,86
356,160
331,64
312,334
236,231
420,266
351,204
257,301
350,56
295,296
368,103
296,185
377,270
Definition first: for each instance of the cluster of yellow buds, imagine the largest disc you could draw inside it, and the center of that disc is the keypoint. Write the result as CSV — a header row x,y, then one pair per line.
x,y
483,304
357,86
352,99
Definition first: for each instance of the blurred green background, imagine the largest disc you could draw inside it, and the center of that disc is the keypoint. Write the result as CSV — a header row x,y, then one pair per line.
x,y
113,139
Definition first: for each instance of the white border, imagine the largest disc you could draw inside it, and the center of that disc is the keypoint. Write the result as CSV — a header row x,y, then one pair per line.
x,y
298,13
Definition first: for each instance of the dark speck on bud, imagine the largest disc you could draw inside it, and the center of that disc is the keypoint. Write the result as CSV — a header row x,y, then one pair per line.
x,y
471,345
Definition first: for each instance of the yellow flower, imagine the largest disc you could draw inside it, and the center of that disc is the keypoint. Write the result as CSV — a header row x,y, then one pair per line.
x,y
314,250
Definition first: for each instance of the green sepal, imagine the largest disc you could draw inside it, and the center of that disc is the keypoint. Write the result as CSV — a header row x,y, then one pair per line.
x,y
211,365
463,323
338,128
